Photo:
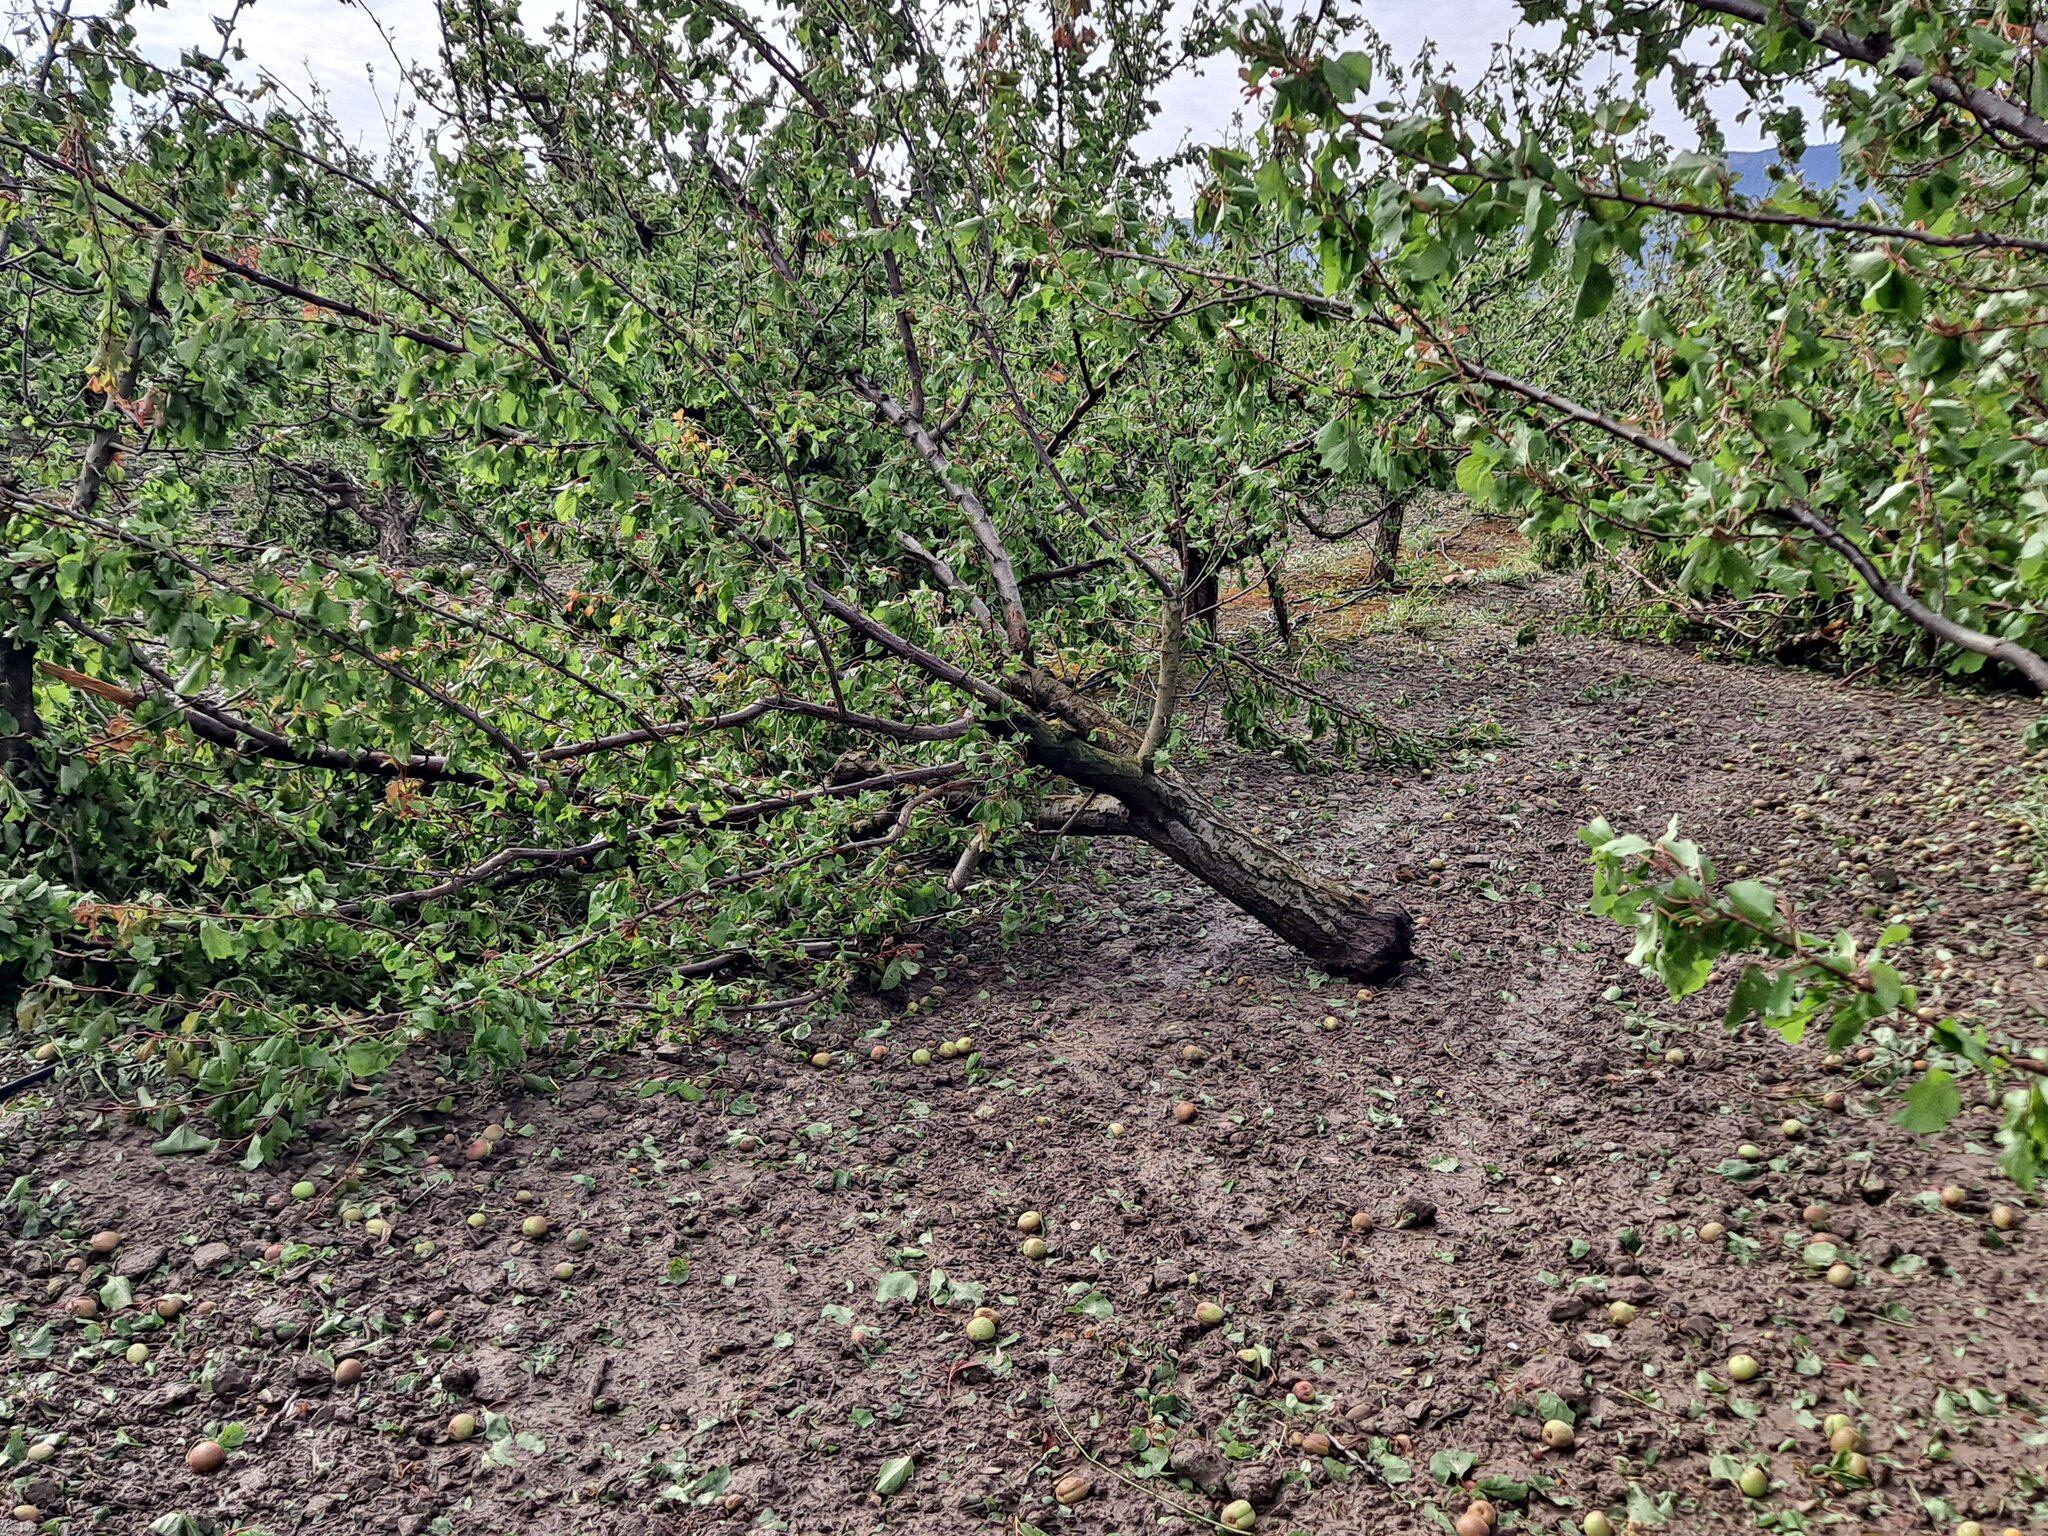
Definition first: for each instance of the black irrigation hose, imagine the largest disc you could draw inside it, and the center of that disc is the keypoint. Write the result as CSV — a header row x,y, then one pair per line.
x,y
22,1084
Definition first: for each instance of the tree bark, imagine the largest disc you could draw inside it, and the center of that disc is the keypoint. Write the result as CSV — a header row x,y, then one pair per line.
x,y
18,724
1386,540
1334,925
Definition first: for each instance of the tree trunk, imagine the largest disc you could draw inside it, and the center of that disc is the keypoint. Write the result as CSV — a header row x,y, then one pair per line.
x,y
1386,540
18,724
1337,927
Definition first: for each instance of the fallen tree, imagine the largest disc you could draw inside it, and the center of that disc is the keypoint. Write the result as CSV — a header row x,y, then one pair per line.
x,y
465,575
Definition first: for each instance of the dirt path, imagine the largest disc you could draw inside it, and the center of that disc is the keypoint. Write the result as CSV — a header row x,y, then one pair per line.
x,y
782,1261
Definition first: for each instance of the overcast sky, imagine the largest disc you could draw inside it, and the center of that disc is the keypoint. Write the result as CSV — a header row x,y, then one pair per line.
x,y
341,46
336,43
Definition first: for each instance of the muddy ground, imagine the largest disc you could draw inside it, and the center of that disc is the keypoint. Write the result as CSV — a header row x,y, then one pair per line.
x,y
771,1308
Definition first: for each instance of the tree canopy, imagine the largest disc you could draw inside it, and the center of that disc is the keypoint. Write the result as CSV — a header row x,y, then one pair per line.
x,y
698,508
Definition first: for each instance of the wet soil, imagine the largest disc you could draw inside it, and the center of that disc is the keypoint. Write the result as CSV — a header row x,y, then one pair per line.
x,y
768,1301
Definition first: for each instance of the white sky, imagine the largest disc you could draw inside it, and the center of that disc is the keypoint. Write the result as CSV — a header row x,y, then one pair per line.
x,y
336,45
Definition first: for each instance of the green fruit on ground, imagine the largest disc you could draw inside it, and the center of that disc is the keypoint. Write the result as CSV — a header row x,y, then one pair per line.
x,y
1841,1276
1030,1221
138,1354
1792,1130
1621,1313
1597,1524
981,1329
1239,1515
1750,1152
1712,1232
476,1218
1845,1440
920,1057
578,1239
305,1189
564,1270
1754,1482
1034,1248
535,1227
462,1426
1743,1368
1559,1436
1208,1314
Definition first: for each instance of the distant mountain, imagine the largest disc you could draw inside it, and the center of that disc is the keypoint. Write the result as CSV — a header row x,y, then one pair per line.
x,y
1821,165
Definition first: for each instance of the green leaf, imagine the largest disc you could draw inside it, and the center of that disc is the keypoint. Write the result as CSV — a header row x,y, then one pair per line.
x,y
895,1473
1930,1104
1596,292
1448,1467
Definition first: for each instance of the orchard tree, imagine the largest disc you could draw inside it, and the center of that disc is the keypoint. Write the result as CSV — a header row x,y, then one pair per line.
x,y
675,525
1831,402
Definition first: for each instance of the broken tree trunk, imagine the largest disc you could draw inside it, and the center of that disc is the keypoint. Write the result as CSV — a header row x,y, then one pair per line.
x,y
1339,928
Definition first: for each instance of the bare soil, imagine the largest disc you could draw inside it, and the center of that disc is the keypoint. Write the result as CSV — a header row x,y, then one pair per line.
x,y
782,1260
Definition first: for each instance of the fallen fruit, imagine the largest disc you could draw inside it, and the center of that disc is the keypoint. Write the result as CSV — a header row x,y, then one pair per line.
x,y
1953,1195
1597,1524
1674,1057
1208,1314
535,1227
348,1372
1316,1443
1834,1103
1034,1248
1754,1481
564,1270
1484,1509
1469,1524
168,1307
921,1057
2004,1217
1815,1215
821,1058
878,1052
1030,1221
423,1249
1304,1391
1744,1368
1834,1423
304,1190
1793,1129
1072,1489
964,1044
1841,1276
206,1457
1620,1313
1361,1221
1184,1111
1239,1515
1750,1152
138,1354
1559,1436
104,1243
42,1450
462,1426
476,1219
981,1329
1845,1440
378,1228
1970,1528
577,1240
1712,1232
